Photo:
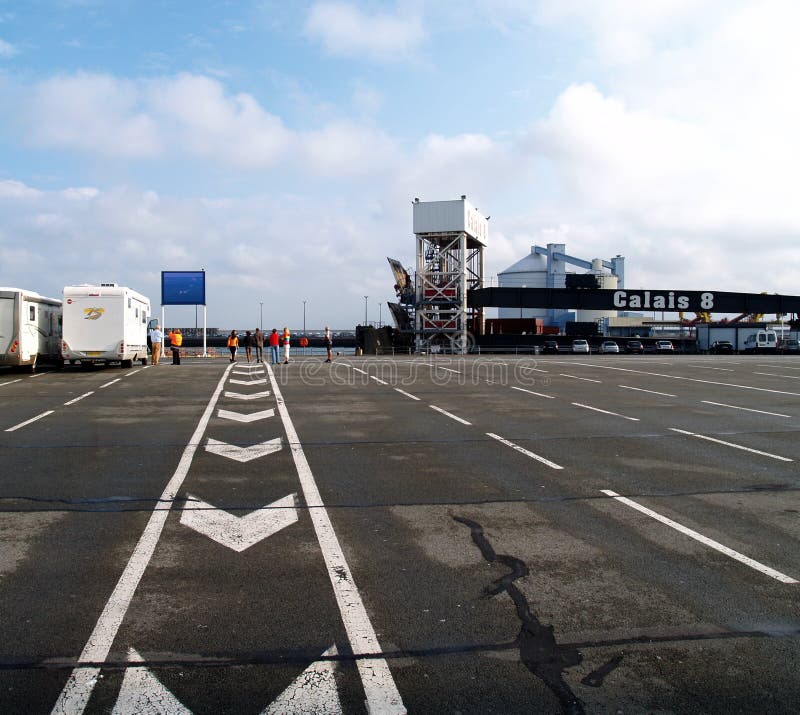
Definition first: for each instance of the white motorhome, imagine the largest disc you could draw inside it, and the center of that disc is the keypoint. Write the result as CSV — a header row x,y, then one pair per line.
x,y
764,341
30,328
104,323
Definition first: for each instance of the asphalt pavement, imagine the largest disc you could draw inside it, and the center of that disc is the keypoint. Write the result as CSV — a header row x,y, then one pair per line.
x,y
488,534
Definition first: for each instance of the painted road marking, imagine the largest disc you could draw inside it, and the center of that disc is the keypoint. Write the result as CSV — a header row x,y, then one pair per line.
x,y
524,451
731,444
78,399
441,367
128,374
38,374
239,417
688,379
533,369
702,539
772,374
239,532
652,392
605,412
261,381
377,379
10,382
240,396
108,384
27,422
363,372
708,367
450,415
575,377
379,686
142,692
244,454
81,682
407,394
531,392
748,409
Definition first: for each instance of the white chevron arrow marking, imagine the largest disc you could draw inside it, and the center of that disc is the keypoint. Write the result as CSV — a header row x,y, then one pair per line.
x,y
142,693
239,532
239,417
313,691
244,454
240,396
262,381
241,372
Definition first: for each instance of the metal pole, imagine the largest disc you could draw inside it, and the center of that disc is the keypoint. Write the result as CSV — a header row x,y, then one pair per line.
x,y
304,323
261,315
365,309
380,315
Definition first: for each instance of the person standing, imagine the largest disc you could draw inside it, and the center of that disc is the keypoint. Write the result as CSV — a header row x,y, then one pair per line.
x,y
248,345
233,344
157,338
328,343
274,342
258,338
287,339
175,342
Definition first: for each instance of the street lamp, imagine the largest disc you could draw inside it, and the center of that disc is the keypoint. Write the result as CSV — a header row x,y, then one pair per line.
x,y
380,319
304,323
365,309
261,315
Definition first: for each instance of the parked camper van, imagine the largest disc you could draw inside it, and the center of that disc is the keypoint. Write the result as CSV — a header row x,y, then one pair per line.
x,y
30,328
104,324
764,341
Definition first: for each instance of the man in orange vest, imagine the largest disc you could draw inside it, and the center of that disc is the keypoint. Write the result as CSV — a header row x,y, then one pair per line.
x,y
176,340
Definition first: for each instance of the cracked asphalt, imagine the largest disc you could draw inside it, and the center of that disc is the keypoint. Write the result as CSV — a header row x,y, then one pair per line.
x,y
565,534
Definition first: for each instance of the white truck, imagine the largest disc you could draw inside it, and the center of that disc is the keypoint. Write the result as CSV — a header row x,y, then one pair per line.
x,y
30,328
103,324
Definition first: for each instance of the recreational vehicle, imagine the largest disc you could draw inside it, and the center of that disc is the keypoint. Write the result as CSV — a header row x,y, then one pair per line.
x,y
30,328
103,324
764,341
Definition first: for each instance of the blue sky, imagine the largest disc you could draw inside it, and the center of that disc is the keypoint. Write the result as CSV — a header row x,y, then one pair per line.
x,y
278,145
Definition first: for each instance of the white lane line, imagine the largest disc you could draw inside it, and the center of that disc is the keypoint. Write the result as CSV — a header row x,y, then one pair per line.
x,y
128,374
772,374
782,367
440,367
10,382
377,379
731,444
407,394
108,384
532,369
575,377
78,399
652,392
450,415
27,422
783,578
598,366
38,374
363,372
79,686
708,367
747,409
524,451
379,686
531,392
605,412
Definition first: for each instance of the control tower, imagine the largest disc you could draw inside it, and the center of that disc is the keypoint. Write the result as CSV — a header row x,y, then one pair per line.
x,y
451,237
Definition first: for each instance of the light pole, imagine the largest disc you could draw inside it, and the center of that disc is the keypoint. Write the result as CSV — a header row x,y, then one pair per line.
x,y
380,312
366,297
261,315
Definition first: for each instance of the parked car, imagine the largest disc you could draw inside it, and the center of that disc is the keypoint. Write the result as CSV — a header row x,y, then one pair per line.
x,y
550,346
664,346
580,346
609,346
722,347
790,346
634,346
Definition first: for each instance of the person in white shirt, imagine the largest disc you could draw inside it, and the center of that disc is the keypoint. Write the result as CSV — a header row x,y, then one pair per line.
x,y
157,338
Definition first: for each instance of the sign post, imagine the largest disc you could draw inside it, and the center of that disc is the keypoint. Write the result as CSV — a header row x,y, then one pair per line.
x,y
184,288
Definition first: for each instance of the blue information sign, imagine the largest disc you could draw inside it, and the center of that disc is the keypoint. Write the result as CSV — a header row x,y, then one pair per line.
x,y
183,288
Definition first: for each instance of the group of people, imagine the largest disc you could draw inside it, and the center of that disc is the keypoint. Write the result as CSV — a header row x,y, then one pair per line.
x,y
258,339
155,341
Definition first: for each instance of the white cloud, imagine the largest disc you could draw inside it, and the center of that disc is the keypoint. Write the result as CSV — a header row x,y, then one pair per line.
x,y
7,49
16,190
344,29
345,149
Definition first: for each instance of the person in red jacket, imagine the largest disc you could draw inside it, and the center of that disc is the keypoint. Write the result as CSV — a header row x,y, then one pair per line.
x,y
274,342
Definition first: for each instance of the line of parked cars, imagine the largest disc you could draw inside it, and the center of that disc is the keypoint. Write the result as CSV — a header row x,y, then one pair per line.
x,y
608,347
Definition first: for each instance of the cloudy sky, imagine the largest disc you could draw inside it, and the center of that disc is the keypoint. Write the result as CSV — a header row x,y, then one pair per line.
x,y
279,145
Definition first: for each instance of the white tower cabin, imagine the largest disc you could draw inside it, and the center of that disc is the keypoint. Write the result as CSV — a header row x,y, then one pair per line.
x,y
451,238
